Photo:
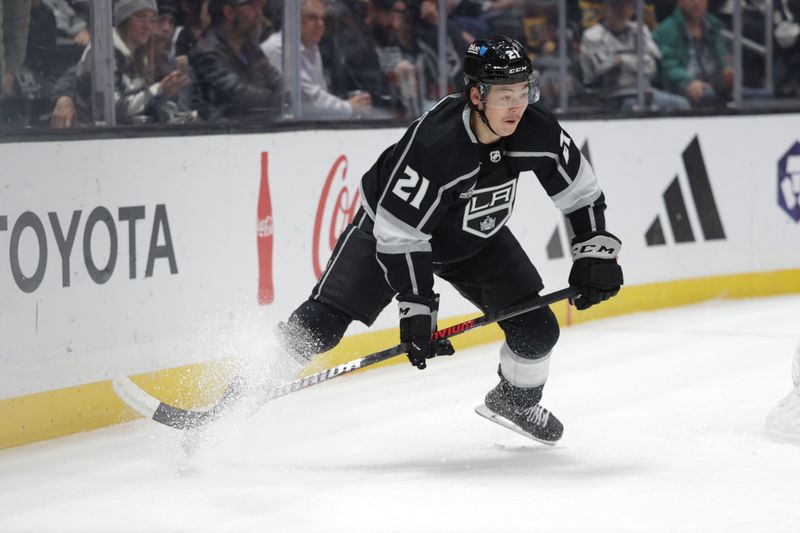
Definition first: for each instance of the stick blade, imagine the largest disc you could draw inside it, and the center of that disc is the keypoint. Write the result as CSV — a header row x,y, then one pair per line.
x,y
134,397
149,407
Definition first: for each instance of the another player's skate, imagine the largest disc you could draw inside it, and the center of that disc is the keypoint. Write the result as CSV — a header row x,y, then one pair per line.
x,y
518,409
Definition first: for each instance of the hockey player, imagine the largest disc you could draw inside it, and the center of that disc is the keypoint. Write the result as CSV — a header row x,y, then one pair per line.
x,y
437,203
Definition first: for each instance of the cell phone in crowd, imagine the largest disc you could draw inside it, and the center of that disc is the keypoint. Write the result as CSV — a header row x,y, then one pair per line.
x,y
182,64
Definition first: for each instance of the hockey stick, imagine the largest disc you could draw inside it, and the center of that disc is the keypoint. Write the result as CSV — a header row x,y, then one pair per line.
x,y
179,418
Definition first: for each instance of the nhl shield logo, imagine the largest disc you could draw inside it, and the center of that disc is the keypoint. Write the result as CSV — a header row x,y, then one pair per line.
x,y
494,156
489,209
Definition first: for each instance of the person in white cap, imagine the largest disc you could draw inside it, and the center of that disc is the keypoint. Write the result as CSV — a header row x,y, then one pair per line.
x,y
138,96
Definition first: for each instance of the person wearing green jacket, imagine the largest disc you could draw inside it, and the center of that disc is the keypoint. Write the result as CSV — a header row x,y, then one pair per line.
x,y
695,59
15,16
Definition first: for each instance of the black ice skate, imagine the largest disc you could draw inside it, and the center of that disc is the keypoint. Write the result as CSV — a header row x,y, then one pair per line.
x,y
519,410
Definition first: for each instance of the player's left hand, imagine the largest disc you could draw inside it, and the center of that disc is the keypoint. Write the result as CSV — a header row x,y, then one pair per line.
x,y
594,268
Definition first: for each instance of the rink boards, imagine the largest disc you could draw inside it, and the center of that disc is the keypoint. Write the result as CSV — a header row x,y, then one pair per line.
x,y
154,256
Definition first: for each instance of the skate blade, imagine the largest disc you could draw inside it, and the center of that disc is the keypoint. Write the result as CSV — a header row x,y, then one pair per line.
x,y
486,413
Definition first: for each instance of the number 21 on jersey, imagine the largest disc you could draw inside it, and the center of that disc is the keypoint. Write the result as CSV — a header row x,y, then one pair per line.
x,y
405,187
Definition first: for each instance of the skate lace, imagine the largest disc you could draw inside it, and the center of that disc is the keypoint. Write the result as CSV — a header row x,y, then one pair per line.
x,y
536,414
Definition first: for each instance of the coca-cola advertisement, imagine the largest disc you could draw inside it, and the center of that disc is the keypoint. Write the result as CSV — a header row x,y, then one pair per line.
x,y
264,232
337,207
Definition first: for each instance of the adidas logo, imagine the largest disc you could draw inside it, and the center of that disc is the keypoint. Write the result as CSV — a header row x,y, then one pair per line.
x,y
677,211
681,228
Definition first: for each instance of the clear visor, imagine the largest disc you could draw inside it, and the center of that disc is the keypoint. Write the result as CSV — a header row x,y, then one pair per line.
x,y
517,95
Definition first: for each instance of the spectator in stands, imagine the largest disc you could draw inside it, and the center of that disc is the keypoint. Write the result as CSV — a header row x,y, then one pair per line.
x,y
423,21
165,60
482,18
234,78
312,79
42,36
695,58
15,17
162,43
28,97
138,97
363,54
787,37
467,14
505,17
387,20
192,21
72,19
609,60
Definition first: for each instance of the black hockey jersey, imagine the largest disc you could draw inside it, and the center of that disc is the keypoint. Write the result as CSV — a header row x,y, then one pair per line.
x,y
439,195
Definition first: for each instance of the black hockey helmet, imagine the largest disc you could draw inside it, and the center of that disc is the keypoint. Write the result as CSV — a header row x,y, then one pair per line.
x,y
497,61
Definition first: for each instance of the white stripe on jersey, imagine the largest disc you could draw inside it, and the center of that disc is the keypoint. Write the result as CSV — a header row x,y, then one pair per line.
x,y
581,192
412,275
394,236
465,116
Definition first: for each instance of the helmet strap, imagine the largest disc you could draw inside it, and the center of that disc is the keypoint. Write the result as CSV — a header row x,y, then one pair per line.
x,y
481,113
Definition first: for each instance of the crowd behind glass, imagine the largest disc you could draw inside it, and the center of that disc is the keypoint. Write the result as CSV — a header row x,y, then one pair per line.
x,y
186,61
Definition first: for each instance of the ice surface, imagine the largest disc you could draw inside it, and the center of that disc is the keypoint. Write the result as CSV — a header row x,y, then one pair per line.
x,y
664,431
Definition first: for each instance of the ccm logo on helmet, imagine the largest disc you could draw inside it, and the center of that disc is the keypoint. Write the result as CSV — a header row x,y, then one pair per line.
x,y
518,69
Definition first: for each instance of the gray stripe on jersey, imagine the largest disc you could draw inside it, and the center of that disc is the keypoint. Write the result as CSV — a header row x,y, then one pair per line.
x,y
592,220
441,191
550,155
361,221
581,192
405,150
465,116
385,270
412,275
364,202
333,262
404,248
394,236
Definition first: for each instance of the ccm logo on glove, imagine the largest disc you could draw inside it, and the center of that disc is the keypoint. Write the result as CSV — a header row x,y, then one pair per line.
x,y
600,246
594,268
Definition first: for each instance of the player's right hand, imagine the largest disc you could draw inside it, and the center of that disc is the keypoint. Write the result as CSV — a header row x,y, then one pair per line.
x,y
417,324
415,331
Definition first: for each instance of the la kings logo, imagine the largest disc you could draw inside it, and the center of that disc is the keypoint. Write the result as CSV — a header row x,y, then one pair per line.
x,y
489,209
